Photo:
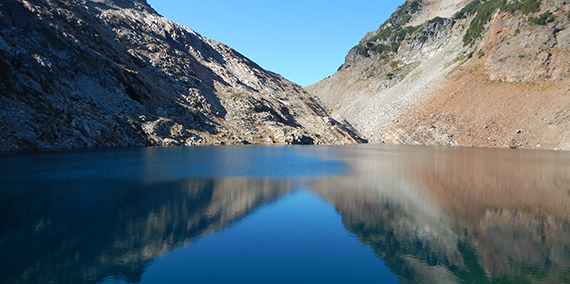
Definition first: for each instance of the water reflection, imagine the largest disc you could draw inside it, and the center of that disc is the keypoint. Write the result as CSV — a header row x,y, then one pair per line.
x,y
460,215
433,215
82,232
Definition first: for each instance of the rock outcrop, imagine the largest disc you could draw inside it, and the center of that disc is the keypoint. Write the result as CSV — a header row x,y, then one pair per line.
x,y
114,73
472,73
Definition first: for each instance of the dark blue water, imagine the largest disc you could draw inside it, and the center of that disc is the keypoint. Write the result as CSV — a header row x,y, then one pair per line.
x,y
298,239
163,164
303,214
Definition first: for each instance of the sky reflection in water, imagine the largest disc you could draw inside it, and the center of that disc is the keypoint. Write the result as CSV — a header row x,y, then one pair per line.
x,y
364,213
298,239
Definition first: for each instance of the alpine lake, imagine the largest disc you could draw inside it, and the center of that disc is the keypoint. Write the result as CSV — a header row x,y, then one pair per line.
x,y
286,214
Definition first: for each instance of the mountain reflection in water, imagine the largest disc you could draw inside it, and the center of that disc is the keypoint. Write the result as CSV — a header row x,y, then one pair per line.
x,y
433,215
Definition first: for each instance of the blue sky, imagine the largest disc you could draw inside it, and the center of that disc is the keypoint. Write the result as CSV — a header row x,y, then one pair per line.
x,y
303,40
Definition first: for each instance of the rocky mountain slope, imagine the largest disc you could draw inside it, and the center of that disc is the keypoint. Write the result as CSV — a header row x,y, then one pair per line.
x,y
454,72
111,73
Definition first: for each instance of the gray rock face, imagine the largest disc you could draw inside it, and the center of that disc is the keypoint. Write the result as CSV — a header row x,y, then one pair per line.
x,y
520,51
398,84
102,73
391,70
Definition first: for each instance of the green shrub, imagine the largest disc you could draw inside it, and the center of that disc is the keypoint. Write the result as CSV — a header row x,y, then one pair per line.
x,y
484,12
384,34
415,6
543,19
410,30
380,48
402,15
392,32
469,9
568,14
481,53
530,6
438,20
362,49
405,20
527,6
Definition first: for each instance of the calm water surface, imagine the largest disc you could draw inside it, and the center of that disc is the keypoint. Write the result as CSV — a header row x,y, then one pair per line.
x,y
296,214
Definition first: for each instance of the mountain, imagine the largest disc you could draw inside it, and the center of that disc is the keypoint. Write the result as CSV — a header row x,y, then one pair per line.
x,y
489,73
114,73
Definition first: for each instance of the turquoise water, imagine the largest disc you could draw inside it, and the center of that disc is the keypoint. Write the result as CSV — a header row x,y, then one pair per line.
x,y
294,214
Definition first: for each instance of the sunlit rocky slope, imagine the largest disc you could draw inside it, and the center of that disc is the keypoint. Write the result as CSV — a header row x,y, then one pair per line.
x,y
455,72
110,73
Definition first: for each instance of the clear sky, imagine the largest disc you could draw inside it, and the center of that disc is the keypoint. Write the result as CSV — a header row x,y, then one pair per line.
x,y
303,40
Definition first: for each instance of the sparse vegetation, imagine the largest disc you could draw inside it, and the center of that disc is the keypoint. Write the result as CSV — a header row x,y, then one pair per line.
x,y
396,32
438,20
414,6
517,31
405,20
543,19
392,36
481,53
469,9
526,6
392,32
403,13
361,49
484,10
390,76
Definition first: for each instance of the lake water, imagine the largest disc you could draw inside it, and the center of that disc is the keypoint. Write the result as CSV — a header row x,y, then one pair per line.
x,y
294,214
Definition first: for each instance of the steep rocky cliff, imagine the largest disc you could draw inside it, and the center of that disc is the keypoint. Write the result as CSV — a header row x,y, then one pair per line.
x,y
455,72
110,73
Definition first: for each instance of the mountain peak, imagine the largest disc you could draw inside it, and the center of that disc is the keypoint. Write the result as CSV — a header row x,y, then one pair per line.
x,y
417,78
111,73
